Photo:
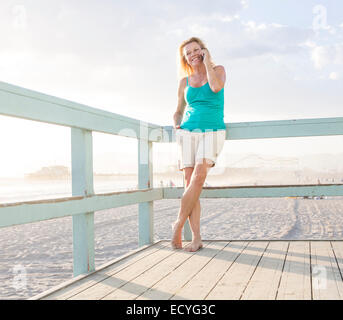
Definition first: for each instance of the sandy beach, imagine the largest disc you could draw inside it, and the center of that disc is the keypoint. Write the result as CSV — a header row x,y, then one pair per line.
x,y
43,250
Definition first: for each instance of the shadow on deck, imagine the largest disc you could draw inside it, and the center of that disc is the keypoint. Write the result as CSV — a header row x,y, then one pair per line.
x,y
229,270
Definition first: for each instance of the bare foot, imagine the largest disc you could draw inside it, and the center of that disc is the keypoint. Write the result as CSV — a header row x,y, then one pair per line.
x,y
176,241
194,246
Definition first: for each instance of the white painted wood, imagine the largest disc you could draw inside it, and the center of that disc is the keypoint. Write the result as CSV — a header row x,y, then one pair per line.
x,y
146,280
170,284
201,284
296,276
77,284
264,283
215,272
28,104
233,283
327,282
338,251
119,279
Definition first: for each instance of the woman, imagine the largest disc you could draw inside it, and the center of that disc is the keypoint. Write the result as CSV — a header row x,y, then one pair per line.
x,y
200,133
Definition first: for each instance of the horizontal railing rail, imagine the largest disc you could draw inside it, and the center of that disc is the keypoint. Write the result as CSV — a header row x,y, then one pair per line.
x,y
275,129
83,120
269,191
39,210
28,104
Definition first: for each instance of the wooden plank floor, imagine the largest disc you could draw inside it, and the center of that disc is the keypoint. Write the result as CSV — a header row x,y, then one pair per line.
x,y
229,270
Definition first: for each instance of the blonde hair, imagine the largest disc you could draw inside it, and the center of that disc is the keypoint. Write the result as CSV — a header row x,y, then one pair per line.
x,y
184,68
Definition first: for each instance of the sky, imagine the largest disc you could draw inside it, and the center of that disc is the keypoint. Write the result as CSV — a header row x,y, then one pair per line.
x,y
283,59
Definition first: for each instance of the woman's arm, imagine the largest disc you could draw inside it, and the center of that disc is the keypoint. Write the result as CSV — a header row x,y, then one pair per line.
x,y
216,75
181,103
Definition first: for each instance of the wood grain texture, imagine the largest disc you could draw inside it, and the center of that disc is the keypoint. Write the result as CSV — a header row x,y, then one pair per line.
x,y
223,270
295,282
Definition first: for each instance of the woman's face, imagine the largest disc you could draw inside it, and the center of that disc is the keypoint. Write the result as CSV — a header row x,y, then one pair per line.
x,y
193,53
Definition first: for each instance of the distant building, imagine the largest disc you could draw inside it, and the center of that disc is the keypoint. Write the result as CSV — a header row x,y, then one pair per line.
x,y
172,168
53,172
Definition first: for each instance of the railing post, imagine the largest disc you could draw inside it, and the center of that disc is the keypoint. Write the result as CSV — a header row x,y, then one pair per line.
x,y
187,233
82,185
145,180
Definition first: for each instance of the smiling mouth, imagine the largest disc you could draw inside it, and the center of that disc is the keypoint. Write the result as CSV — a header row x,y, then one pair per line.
x,y
196,58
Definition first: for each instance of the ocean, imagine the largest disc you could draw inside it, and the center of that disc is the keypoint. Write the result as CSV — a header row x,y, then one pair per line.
x,y
21,189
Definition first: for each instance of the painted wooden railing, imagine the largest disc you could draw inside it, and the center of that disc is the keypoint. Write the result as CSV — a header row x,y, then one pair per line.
x,y
83,120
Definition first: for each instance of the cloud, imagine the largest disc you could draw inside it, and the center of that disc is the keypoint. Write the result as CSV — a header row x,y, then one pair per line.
x,y
19,20
146,29
120,30
242,40
334,76
107,48
325,55
320,56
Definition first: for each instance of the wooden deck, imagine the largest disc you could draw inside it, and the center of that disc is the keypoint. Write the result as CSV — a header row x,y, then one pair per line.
x,y
227,270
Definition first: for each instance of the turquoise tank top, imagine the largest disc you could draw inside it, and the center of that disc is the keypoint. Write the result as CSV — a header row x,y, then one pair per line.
x,y
204,109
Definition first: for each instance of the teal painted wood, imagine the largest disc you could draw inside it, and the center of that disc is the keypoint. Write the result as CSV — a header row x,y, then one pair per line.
x,y
260,192
145,180
274,129
286,128
23,103
82,162
83,243
187,232
27,104
34,211
82,185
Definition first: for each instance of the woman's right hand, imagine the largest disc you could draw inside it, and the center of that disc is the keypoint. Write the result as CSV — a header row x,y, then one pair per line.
x,y
177,126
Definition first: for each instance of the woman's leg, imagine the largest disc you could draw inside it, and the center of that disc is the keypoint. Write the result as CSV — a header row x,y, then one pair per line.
x,y
177,237
188,202
194,221
194,218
